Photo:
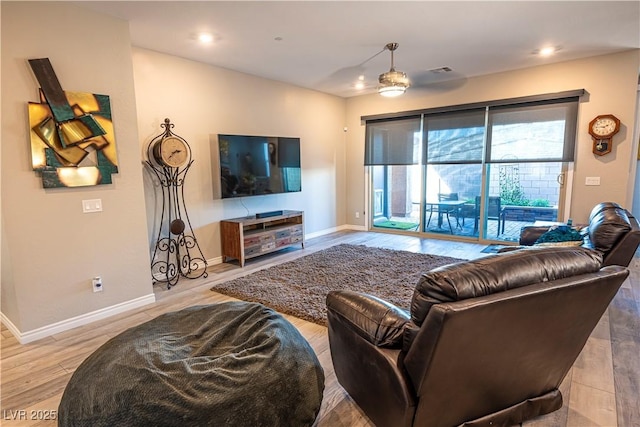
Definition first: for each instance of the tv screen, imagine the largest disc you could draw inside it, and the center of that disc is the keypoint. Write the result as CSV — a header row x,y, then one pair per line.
x,y
257,165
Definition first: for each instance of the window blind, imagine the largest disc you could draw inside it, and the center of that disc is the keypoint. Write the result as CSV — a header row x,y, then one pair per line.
x,y
538,132
455,137
393,142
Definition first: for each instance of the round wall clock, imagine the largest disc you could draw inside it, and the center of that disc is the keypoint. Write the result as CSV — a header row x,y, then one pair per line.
x,y
171,151
602,128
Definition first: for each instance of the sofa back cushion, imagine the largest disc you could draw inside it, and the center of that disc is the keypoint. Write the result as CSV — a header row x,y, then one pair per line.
x,y
497,273
607,227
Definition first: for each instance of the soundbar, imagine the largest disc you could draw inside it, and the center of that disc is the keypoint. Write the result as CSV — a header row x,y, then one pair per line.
x,y
268,214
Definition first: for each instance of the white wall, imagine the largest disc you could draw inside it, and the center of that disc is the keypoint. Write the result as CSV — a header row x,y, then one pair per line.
x,y
202,100
50,249
611,82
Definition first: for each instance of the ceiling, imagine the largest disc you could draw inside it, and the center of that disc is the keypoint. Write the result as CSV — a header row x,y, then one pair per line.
x,y
327,45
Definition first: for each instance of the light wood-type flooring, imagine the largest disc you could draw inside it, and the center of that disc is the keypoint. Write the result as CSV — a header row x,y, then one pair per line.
x,y
602,388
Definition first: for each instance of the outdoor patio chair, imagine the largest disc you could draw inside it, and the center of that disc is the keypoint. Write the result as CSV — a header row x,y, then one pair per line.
x,y
494,212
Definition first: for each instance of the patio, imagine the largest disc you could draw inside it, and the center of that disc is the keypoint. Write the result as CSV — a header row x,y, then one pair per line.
x,y
509,229
510,233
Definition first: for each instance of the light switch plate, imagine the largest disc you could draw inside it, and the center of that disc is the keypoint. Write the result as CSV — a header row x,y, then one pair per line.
x,y
592,180
92,205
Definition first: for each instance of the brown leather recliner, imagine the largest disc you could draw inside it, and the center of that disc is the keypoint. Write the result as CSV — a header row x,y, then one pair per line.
x,y
485,342
612,231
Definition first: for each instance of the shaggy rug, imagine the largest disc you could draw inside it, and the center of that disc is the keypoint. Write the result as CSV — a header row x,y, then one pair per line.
x,y
300,287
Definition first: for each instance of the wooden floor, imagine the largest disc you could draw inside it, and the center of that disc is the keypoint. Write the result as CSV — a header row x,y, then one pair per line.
x,y
602,388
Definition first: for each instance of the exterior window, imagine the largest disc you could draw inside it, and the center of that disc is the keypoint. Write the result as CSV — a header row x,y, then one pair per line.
x,y
477,173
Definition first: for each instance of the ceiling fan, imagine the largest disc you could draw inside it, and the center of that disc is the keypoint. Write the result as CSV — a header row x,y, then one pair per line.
x,y
393,82
390,84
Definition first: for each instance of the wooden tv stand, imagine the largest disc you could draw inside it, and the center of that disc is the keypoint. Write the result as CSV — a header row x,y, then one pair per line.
x,y
249,236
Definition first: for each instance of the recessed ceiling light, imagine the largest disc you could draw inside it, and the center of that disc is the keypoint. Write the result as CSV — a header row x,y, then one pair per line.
x,y
359,85
205,37
547,51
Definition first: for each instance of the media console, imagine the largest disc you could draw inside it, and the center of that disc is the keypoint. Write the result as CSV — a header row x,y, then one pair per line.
x,y
251,236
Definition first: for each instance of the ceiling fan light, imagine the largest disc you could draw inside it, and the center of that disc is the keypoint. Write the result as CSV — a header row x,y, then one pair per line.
x,y
391,91
393,83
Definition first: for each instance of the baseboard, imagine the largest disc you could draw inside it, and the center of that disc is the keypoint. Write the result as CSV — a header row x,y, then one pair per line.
x,y
214,261
9,325
74,322
334,229
355,227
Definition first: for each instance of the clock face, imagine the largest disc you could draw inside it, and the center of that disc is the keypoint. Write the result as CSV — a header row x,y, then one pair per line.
x,y
173,152
604,126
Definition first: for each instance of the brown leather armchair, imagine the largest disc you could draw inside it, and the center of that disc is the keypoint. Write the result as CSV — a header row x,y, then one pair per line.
x,y
485,342
612,230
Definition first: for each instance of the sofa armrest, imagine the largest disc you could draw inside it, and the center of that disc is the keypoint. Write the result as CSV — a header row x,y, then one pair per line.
x,y
530,233
377,321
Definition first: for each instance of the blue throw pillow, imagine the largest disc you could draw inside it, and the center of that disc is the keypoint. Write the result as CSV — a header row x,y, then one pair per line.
x,y
560,233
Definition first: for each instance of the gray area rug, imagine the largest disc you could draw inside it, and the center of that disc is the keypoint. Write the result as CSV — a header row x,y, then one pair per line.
x,y
300,287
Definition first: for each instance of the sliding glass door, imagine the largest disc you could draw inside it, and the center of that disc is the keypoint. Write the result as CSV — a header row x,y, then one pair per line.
x,y
529,147
394,152
453,182
473,172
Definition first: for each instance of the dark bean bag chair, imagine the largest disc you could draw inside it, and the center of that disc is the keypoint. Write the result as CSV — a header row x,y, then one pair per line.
x,y
229,364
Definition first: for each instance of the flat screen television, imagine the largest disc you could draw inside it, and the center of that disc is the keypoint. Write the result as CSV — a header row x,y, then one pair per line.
x,y
255,165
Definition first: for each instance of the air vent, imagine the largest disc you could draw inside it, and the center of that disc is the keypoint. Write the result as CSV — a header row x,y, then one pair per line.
x,y
441,70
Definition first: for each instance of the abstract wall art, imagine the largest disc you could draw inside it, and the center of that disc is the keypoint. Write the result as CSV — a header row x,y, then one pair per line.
x,y
72,135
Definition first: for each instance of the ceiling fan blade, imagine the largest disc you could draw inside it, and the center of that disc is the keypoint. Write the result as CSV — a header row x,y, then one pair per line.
x,y
348,75
437,81
342,76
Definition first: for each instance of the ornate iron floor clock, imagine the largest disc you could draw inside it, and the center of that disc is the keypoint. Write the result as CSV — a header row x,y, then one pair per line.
x,y
176,253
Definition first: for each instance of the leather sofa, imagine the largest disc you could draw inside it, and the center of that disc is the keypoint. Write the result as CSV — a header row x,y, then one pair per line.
x,y
483,343
612,230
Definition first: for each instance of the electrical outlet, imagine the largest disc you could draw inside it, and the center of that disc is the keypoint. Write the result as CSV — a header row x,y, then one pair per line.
x,y
96,282
357,214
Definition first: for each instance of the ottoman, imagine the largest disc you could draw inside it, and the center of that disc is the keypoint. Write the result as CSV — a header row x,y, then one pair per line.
x,y
229,364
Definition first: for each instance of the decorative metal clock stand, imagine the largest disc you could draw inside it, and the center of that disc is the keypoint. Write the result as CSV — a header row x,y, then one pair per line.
x,y
176,253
